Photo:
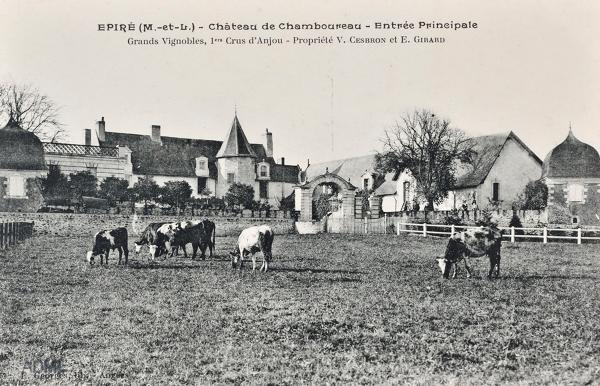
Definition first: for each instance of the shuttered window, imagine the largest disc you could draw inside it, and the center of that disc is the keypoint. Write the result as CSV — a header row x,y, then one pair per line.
x,y
16,186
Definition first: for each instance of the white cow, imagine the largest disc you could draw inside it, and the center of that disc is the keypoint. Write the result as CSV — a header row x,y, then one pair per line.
x,y
252,240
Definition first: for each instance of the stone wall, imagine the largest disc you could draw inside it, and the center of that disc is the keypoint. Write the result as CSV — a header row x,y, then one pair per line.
x,y
69,224
31,203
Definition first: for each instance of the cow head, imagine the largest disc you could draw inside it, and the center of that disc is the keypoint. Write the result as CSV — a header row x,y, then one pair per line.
x,y
138,247
89,257
441,262
235,256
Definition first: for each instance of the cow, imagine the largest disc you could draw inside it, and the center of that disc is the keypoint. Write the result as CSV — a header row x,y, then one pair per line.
x,y
472,243
105,241
148,235
250,241
207,237
171,236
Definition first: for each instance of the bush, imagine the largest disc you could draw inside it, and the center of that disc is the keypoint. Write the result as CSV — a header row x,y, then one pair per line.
x,y
240,196
536,195
453,218
515,221
558,214
485,218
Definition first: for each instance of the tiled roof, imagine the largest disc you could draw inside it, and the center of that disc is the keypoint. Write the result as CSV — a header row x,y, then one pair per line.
x,y
572,158
20,149
386,189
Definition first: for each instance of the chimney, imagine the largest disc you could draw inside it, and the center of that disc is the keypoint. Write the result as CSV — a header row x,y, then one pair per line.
x,y
269,143
155,133
283,160
101,130
88,137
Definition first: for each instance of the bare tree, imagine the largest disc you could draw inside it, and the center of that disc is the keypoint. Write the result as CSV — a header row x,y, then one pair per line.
x,y
428,147
32,110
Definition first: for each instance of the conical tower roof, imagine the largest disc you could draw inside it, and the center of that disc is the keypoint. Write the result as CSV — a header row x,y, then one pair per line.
x,y
572,158
20,149
236,144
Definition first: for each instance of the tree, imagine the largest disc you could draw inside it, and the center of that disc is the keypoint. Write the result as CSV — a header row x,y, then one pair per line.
x,y
430,149
83,183
176,194
113,189
536,195
55,186
32,110
145,190
240,196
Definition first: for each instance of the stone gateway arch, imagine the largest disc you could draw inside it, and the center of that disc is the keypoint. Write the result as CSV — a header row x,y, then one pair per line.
x,y
306,192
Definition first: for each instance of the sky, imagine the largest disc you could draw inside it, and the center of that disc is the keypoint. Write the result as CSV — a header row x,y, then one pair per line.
x,y
531,67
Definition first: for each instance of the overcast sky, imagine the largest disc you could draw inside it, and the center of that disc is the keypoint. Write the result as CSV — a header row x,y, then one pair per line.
x,y
531,67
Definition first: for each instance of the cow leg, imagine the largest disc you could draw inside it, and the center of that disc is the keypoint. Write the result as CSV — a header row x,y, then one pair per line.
x,y
242,252
494,263
202,250
120,255
126,251
447,268
254,261
195,251
467,267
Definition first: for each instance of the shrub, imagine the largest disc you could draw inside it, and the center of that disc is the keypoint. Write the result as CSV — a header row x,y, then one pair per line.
x,y
558,214
515,221
453,218
240,196
536,195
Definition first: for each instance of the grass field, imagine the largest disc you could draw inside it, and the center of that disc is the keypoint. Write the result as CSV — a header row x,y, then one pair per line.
x,y
334,309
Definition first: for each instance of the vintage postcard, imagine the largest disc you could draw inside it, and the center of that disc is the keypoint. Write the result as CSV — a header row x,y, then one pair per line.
x,y
316,192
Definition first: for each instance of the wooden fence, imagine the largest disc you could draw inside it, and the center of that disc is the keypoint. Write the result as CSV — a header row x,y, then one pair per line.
x,y
13,232
388,225
545,234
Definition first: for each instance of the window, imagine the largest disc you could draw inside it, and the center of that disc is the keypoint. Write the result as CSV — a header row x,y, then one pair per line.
x,y
575,192
201,184
495,191
575,220
53,169
366,184
16,186
92,169
200,163
264,189
264,171
230,178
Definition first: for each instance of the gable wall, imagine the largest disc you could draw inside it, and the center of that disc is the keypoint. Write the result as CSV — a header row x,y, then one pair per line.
x,y
513,169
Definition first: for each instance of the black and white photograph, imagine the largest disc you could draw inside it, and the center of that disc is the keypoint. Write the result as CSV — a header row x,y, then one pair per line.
x,y
269,192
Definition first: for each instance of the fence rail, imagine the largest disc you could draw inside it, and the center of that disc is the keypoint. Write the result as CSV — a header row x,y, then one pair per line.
x,y
390,226
13,232
511,233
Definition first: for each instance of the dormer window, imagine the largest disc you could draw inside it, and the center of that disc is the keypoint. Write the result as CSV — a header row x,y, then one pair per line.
x,y
201,166
263,171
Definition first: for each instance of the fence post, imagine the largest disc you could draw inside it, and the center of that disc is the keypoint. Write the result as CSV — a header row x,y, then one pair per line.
x,y
452,231
545,235
1,235
578,235
424,229
398,228
512,234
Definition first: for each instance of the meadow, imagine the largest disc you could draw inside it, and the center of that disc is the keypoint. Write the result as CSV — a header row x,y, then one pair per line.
x,y
334,309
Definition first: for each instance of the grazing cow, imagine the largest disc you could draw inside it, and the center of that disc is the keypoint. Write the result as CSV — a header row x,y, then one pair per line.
x,y
148,235
105,241
472,243
252,240
171,236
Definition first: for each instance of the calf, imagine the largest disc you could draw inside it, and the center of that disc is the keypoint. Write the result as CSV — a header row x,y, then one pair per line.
x,y
207,237
472,243
252,240
105,241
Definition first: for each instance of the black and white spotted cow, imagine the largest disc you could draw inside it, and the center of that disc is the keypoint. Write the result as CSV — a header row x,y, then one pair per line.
x,y
105,241
251,240
472,243
148,235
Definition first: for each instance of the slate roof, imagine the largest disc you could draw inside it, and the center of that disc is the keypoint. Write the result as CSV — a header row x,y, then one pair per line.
x,y
176,156
20,149
350,169
387,188
235,144
572,158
